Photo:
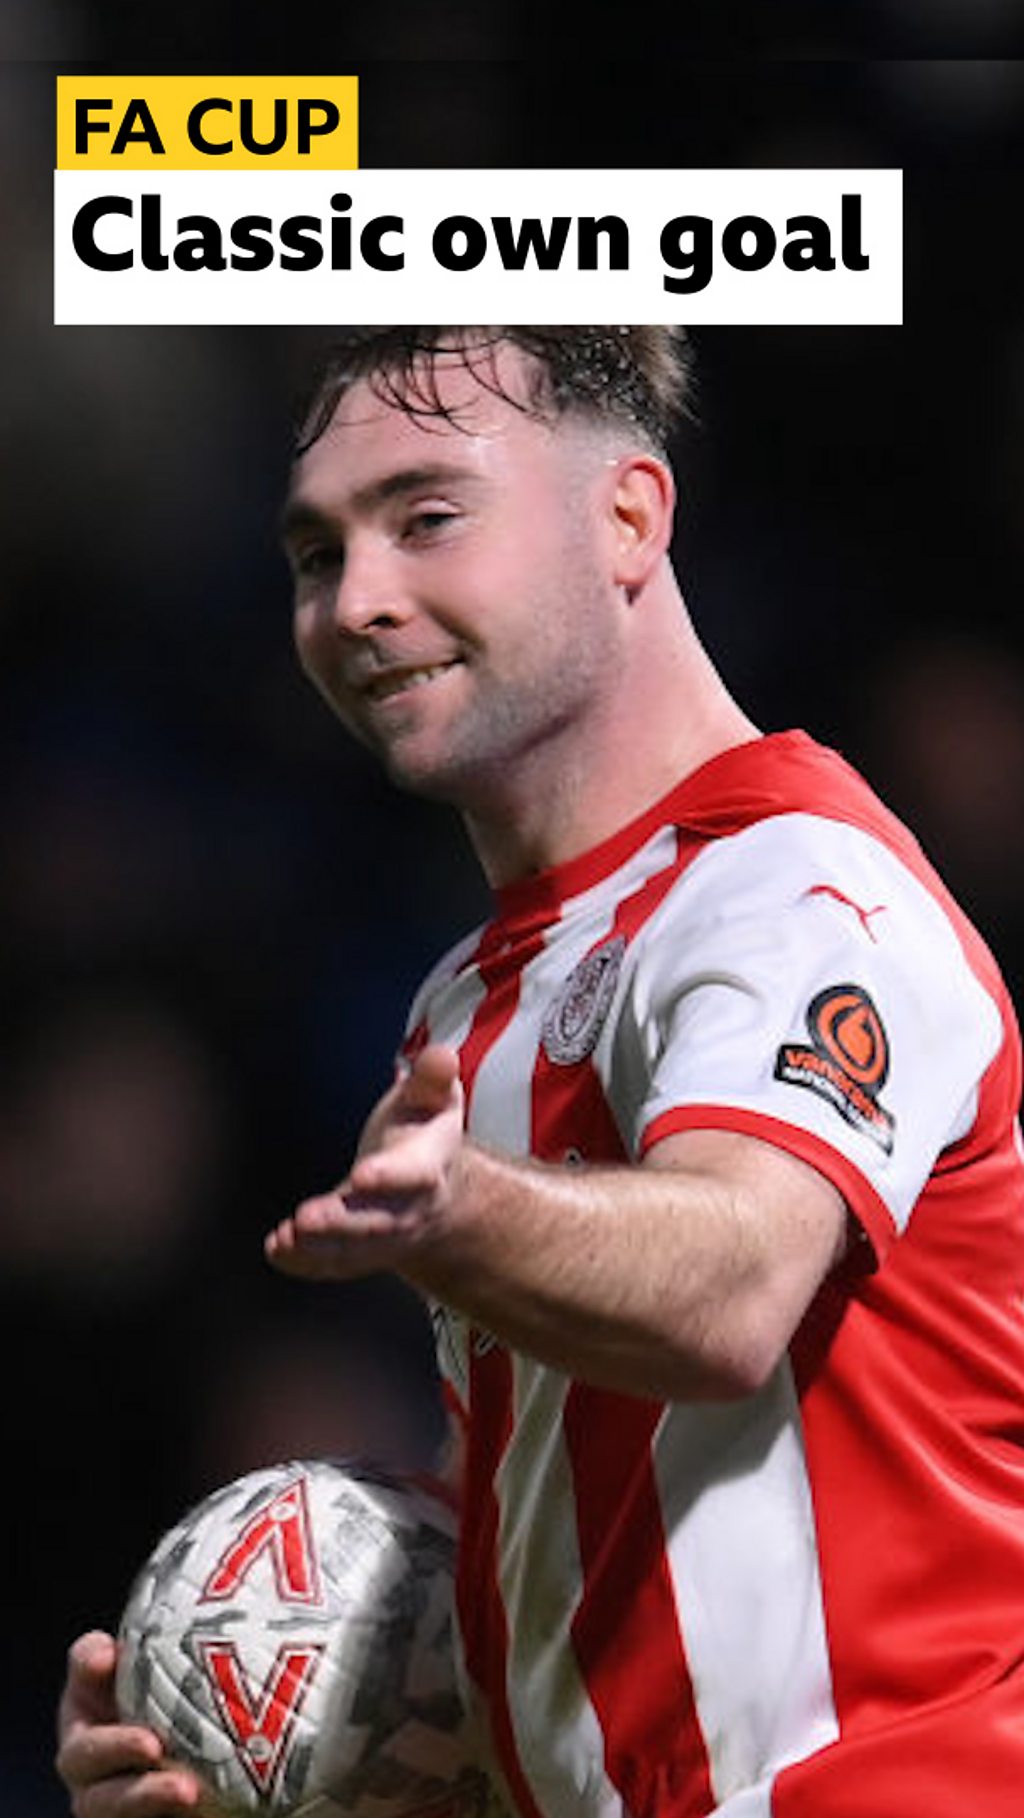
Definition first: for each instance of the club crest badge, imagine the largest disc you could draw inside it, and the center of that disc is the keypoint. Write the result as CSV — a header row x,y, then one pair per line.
x,y
575,1018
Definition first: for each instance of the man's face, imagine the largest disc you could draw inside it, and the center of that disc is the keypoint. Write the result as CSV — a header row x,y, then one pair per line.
x,y
450,599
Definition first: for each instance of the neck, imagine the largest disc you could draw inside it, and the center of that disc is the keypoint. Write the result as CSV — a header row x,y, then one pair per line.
x,y
660,723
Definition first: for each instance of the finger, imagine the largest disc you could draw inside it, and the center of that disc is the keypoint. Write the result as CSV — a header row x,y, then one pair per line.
x,y
89,1688
161,1795
94,1752
95,1652
404,1171
437,1061
432,1082
324,1242
345,1215
303,1264
282,1248
327,1261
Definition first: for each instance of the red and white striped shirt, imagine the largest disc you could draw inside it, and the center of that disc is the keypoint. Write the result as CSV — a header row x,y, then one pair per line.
x,y
808,1603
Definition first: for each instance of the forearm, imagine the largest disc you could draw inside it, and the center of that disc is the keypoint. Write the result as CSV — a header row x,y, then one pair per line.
x,y
655,1281
682,1278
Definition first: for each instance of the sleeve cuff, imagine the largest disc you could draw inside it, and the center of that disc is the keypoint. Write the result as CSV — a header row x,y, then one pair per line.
x,y
867,1206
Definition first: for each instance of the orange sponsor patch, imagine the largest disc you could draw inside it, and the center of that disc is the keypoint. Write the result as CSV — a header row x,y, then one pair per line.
x,y
848,1062
845,1024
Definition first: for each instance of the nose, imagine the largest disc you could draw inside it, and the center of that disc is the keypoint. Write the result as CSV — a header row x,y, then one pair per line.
x,y
367,595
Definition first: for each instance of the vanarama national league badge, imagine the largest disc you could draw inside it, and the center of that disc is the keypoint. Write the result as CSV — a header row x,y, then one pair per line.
x,y
848,1061
575,1018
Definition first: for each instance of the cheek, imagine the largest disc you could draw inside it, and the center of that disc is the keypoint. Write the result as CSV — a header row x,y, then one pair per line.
x,y
481,578
318,659
311,645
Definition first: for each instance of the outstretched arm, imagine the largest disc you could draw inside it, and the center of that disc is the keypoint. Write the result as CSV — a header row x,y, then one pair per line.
x,y
683,1278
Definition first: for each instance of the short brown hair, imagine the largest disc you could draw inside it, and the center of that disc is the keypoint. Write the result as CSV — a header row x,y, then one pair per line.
x,y
636,375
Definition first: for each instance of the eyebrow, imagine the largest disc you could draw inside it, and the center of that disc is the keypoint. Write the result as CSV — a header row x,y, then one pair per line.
x,y
300,514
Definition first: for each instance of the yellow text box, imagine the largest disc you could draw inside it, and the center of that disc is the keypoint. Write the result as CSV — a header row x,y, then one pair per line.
x,y
152,123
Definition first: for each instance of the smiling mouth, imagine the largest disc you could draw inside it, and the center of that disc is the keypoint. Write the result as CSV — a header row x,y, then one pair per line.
x,y
403,681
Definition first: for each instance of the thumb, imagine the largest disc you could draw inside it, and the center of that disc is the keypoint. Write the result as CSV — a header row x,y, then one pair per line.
x,y
432,1079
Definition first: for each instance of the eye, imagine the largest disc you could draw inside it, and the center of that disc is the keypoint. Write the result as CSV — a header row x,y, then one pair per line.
x,y
312,560
426,522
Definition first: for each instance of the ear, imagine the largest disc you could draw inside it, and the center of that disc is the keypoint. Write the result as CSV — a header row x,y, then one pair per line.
x,y
640,504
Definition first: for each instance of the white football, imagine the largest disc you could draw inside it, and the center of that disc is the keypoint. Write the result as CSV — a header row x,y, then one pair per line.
x,y
291,1639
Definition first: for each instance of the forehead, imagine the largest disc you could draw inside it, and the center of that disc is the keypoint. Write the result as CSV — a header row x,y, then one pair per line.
x,y
475,428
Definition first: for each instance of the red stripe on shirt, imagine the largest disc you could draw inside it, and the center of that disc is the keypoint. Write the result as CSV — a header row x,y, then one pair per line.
x,y
482,1619
626,1628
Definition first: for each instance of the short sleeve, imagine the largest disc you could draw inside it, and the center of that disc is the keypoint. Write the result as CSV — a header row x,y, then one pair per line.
x,y
802,985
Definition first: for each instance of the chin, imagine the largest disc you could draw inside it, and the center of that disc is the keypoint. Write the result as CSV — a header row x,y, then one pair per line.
x,y
419,777
437,779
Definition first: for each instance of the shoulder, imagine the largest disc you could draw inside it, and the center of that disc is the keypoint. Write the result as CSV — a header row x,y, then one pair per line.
x,y
811,974
801,892
785,823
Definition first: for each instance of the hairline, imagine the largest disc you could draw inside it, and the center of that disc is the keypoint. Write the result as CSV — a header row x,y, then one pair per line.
x,y
604,435
395,382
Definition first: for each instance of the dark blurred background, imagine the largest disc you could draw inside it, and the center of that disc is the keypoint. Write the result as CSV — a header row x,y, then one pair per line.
x,y
213,911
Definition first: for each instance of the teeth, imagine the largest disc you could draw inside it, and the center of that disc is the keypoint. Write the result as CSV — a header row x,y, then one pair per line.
x,y
411,678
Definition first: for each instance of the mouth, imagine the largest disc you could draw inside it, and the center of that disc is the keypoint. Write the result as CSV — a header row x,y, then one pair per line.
x,y
394,682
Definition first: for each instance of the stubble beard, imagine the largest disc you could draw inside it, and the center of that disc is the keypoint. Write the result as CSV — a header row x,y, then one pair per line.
x,y
529,733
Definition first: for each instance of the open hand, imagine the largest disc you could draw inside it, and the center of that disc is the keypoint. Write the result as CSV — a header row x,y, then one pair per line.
x,y
403,1189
